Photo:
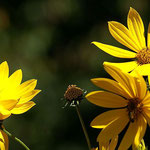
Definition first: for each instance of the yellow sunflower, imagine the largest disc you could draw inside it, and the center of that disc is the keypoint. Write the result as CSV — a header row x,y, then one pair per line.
x,y
133,38
14,96
130,96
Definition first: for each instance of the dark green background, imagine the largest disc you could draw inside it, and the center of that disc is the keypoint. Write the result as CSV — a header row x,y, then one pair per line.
x,y
50,41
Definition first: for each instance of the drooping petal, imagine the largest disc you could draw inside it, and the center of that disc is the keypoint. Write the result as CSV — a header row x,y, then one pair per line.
x,y
148,37
113,128
15,79
21,108
142,124
125,66
3,140
113,143
129,136
28,96
110,85
115,51
136,27
105,118
109,145
106,99
122,35
125,79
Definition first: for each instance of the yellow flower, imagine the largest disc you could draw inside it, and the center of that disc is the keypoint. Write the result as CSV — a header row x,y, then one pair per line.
x,y
130,96
3,140
133,38
14,96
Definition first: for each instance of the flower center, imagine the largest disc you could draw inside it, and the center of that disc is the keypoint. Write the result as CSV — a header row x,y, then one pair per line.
x,y
73,93
143,56
135,107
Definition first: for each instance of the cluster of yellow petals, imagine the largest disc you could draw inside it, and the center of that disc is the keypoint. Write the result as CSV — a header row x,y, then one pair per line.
x,y
134,39
15,97
129,95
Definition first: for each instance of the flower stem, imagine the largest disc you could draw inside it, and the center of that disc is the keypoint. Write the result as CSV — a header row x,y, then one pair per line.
x,y
15,138
83,127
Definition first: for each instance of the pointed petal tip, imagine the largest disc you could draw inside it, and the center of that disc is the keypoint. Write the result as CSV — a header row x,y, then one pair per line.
x,y
4,63
34,80
94,42
92,79
105,63
38,91
109,22
132,9
19,71
88,95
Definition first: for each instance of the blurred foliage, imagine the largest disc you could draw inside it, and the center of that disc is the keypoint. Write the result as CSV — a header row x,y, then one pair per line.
x,y
50,41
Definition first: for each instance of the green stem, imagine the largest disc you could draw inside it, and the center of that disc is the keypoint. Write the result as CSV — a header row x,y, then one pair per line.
x,y
15,138
83,127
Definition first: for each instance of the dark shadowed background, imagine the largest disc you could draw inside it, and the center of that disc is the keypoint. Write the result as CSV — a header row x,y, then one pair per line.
x,y
50,40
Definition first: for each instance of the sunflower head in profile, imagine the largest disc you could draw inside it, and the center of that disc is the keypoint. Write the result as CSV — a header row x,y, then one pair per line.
x,y
130,100
134,39
15,97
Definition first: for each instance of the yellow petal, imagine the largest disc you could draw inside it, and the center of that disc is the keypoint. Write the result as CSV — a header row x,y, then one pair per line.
x,y
125,66
146,100
15,79
142,124
4,71
146,114
149,79
113,143
114,127
148,37
136,27
8,104
4,113
21,108
129,136
27,86
109,85
125,79
142,88
122,35
106,99
115,51
28,96
105,118
142,69
3,140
